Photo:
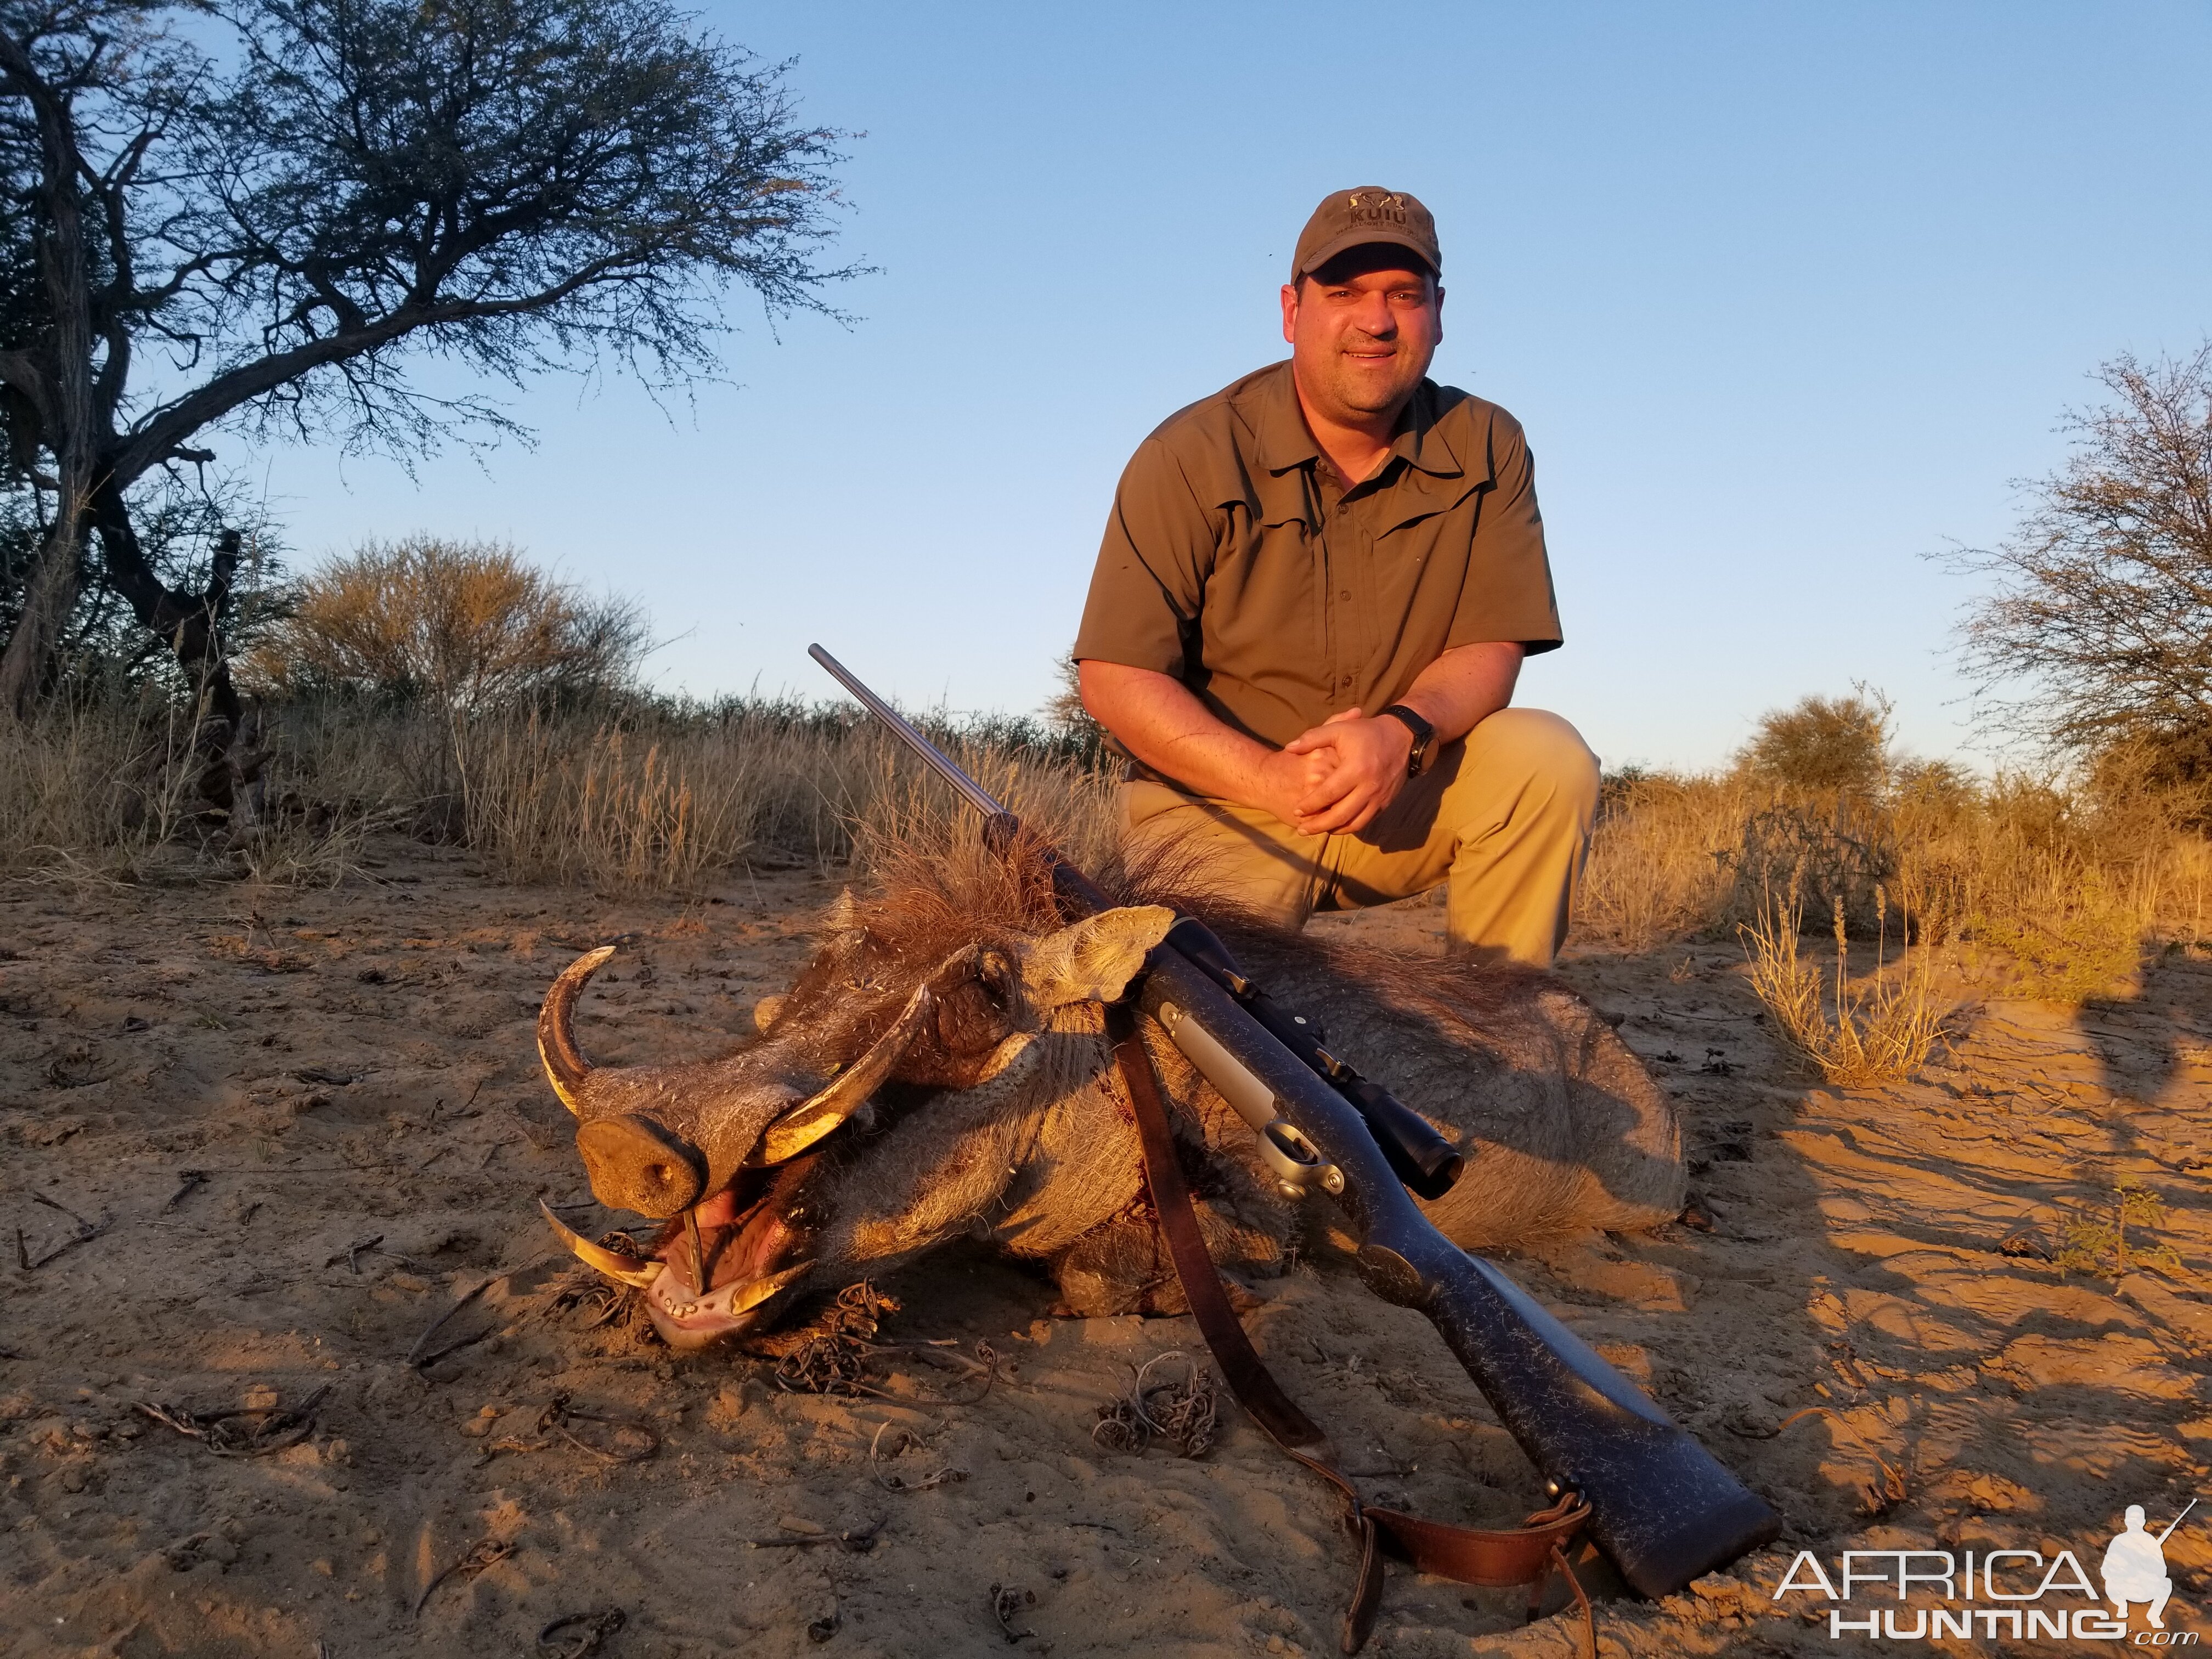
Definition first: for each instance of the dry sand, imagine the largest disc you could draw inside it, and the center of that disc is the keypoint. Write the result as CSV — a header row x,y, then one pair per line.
x,y
1870,1332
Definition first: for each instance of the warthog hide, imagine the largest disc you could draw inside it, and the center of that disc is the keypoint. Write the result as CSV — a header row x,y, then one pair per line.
x,y
939,1070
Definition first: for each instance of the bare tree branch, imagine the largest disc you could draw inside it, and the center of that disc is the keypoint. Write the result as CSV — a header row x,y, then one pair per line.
x,y
295,218
2097,628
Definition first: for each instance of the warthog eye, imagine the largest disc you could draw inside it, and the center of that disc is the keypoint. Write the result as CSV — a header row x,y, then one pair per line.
x,y
970,1020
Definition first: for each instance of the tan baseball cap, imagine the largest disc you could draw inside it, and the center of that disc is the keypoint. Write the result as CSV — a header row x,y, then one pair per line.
x,y
1352,218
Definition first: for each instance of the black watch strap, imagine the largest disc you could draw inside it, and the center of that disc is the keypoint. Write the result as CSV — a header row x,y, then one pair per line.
x,y
1424,735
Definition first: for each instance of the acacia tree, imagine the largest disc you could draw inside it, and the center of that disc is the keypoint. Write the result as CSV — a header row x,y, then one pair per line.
x,y
460,626
269,222
2098,630
1836,746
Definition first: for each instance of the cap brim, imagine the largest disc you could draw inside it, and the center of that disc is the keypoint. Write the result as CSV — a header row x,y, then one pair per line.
x,y
1350,239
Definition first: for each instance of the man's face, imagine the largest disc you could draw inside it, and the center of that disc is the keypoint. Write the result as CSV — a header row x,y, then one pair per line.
x,y
1362,331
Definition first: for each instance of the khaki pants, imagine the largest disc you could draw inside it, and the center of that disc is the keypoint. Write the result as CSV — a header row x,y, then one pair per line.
x,y
1501,820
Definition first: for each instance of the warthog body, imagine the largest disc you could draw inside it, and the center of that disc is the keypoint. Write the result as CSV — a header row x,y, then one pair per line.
x,y
939,1070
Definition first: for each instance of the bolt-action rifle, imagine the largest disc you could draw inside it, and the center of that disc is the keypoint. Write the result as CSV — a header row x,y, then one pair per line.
x,y
1663,1508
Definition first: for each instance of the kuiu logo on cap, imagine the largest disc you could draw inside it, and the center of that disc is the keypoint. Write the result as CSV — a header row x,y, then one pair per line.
x,y
1391,208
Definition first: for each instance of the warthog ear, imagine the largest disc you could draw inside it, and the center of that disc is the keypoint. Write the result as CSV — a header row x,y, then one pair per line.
x,y
844,916
1094,960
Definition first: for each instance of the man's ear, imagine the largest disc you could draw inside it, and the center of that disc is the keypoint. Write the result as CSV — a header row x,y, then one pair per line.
x,y
1094,960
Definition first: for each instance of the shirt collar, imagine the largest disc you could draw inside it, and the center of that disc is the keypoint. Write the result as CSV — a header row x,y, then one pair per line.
x,y
1286,441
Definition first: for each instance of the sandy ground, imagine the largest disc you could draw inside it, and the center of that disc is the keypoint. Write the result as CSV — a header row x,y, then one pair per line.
x,y
1870,1331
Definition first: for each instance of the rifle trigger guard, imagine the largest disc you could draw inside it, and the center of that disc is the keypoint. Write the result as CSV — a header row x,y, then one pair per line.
x,y
1297,1162
1294,1161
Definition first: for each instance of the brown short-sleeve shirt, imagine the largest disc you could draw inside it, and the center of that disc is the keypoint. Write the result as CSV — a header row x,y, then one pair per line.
x,y
1233,562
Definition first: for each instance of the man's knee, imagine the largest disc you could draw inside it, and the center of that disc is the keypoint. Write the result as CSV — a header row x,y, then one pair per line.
x,y
1188,845
1541,752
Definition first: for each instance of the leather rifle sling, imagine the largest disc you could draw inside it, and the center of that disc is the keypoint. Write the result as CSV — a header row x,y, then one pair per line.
x,y
1528,1555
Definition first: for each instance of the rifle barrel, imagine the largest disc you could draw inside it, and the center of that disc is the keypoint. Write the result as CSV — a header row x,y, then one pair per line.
x,y
2177,1521
1420,1157
904,729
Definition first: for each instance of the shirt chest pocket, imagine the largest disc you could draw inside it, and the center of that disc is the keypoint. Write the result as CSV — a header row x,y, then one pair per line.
x,y
1263,598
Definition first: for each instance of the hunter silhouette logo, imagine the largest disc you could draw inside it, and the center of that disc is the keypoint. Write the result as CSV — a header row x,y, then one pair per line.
x,y
1932,1594
2134,1566
1369,206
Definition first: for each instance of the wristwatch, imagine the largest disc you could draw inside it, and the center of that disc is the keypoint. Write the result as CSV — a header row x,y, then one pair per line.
x,y
1424,735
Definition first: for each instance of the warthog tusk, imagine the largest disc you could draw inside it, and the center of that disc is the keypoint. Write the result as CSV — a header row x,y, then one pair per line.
x,y
566,1068
807,1122
698,1251
761,1289
622,1269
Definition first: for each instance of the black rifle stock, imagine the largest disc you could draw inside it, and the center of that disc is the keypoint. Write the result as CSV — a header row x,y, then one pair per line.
x,y
1665,1511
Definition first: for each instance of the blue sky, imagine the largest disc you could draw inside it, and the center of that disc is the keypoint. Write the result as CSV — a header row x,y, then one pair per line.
x,y
1788,297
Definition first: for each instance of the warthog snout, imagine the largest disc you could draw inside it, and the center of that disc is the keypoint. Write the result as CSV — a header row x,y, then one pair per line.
x,y
657,1139
635,1163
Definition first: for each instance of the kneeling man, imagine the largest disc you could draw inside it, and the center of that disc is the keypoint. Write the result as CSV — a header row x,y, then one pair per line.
x,y
1315,594
2135,1569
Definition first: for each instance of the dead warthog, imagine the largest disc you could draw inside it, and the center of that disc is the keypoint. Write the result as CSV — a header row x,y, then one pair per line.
x,y
941,1070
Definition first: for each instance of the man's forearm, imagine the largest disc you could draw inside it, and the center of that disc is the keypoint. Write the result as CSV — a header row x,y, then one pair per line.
x,y
1160,720
1464,687
1336,776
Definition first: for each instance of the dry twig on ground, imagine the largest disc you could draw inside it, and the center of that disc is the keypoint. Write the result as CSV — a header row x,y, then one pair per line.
x,y
481,1555
831,1356
1183,1413
943,1477
578,1635
246,1431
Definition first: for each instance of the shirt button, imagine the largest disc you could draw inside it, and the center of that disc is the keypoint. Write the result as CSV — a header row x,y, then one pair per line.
x,y
1345,594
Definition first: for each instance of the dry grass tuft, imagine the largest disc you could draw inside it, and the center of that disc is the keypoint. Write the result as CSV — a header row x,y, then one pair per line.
x,y
637,796
108,794
668,800
546,801
1880,1030
1656,873
2074,884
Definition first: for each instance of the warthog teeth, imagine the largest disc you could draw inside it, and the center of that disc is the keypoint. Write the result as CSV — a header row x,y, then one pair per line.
x,y
731,1299
566,1068
622,1269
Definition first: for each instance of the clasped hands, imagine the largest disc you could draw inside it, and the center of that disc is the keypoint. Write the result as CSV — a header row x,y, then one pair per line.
x,y
1335,777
